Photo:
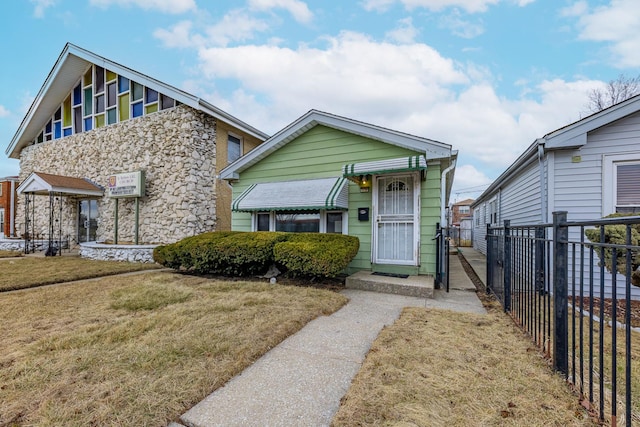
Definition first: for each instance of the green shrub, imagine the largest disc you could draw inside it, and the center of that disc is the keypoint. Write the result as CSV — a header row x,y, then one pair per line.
x,y
315,255
230,253
617,234
235,253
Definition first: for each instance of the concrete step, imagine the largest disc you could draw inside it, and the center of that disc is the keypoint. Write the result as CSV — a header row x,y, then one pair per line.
x,y
413,286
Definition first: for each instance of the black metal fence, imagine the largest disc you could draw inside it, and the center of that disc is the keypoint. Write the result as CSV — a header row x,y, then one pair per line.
x,y
573,296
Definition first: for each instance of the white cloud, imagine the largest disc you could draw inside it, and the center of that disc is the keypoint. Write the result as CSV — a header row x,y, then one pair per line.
x,y
237,25
470,6
409,87
617,24
404,33
461,27
177,36
41,6
577,9
4,112
298,9
165,6
468,182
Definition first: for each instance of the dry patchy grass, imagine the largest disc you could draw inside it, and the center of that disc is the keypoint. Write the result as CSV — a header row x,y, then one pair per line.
x,y
441,368
29,272
10,254
123,351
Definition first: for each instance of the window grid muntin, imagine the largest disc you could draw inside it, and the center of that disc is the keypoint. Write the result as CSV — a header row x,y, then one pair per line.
x,y
95,101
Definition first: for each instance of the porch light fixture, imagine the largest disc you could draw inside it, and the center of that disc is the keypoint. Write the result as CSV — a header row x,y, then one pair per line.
x,y
364,181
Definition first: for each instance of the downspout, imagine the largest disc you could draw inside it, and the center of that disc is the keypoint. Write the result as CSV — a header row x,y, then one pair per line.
x,y
543,185
443,191
12,208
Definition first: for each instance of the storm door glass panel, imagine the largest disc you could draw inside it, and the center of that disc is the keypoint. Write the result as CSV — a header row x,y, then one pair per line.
x,y
298,222
2,222
87,220
395,220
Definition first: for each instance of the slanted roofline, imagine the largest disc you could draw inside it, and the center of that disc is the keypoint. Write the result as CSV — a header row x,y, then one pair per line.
x,y
571,136
69,68
431,149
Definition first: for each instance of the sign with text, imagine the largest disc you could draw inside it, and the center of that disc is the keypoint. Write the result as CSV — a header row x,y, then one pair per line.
x,y
130,184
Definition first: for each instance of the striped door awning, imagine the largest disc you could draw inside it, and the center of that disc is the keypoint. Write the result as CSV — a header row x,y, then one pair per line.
x,y
379,167
306,194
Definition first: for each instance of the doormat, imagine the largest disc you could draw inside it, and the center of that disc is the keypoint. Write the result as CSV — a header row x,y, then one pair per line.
x,y
399,276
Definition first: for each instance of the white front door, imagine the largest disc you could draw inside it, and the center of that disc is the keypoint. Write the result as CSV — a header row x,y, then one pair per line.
x,y
1,223
396,211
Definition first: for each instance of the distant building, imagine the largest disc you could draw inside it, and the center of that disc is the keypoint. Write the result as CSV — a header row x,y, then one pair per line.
x,y
460,210
462,223
8,187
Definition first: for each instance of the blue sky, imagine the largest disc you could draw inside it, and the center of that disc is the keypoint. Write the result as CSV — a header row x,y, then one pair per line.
x,y
486,76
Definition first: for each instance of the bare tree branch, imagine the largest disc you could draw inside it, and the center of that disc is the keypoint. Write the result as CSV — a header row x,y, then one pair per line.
x,y
614,92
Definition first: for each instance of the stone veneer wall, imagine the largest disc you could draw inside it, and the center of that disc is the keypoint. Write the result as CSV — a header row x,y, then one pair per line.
x,y
176,149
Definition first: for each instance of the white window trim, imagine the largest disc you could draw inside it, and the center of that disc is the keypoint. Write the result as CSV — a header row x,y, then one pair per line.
x,y
323,220
609,178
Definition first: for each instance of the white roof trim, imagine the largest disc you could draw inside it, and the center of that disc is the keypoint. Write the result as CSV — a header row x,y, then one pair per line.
x,y
306,194
69,68
431,149
575,134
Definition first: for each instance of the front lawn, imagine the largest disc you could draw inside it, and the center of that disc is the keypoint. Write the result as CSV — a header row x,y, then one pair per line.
x,y
138,350
28,272
443,368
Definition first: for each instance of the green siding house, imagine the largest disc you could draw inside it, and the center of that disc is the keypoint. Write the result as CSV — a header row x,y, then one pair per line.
x,y
330,174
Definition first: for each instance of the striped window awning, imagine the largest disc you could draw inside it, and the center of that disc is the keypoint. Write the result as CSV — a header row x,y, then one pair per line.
x,y
379,167
306,194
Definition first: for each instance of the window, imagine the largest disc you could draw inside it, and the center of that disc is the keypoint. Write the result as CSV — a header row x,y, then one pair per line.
x,y
464,209
301,221
620,190
627,190
297,222
262,221
493,211
334,222
233,148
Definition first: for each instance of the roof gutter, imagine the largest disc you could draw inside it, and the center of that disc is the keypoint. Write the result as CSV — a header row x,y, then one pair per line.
x,y
443,190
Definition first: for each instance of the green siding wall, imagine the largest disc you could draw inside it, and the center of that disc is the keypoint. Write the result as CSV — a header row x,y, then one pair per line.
x,y
321,152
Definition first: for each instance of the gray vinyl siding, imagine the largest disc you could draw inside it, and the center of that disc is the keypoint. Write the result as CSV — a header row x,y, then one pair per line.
x,y
520,198
480,229
579,186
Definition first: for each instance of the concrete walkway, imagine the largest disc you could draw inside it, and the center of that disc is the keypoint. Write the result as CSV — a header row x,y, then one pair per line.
x,y
300,382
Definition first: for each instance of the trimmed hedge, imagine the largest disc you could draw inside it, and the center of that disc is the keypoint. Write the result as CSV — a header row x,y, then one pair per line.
x,y
315,255
235,253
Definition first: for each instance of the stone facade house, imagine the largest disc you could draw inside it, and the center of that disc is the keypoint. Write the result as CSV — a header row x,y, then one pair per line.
x,y
95,120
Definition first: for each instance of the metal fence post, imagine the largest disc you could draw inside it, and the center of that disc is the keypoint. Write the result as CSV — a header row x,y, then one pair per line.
x,y
560,280
507,266
539,260
487,237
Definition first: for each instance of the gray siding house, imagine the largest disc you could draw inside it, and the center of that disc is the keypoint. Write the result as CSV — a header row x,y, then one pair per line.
x,y
590,168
